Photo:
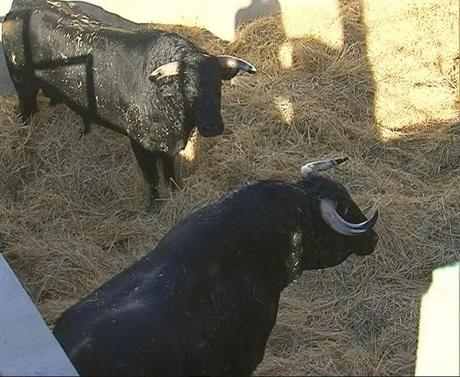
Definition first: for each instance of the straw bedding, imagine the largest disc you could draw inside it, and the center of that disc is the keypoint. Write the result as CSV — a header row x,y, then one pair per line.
x,y
385,94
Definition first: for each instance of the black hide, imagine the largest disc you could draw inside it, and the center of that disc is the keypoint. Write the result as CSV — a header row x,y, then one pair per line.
x,y
205,300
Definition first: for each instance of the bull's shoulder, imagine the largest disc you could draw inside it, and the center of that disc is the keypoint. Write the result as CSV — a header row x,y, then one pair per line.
x,y
262,189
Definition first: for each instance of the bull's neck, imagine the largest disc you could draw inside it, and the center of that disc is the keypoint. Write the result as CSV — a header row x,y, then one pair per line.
x,y
277,227
171,47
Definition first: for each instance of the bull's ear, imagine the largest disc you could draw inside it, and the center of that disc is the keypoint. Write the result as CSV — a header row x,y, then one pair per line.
x,y
168,69
231,65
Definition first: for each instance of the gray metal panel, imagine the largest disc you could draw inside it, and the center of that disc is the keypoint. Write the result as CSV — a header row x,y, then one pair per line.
x,y
27,346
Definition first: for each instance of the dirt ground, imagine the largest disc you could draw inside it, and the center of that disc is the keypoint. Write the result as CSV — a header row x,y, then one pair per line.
x,y
384,92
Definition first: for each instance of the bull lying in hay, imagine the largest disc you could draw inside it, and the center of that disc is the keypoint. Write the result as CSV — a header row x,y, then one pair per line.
x,y
205,300
150,85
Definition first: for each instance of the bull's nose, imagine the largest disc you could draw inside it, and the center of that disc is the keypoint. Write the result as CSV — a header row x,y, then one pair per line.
x,y
368,244
373,243
376,238
208,131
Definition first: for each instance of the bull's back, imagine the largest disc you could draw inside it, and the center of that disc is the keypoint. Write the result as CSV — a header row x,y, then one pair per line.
x,y
94,69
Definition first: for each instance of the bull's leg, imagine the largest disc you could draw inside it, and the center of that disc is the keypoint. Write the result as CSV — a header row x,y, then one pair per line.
x,y
27,95
85,128
53,100
147,162
167,163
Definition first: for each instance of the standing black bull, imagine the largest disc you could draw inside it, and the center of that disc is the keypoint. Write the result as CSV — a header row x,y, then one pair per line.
x,y
150,85
205,300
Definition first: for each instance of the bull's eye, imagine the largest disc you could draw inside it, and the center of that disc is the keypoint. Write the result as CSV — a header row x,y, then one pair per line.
x,y
168,89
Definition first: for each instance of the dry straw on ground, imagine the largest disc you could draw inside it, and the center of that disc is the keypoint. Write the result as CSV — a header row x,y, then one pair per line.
x,y
385,94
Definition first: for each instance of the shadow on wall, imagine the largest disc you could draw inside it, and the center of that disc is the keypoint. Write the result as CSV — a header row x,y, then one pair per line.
x,y
354,88
257,9
347,93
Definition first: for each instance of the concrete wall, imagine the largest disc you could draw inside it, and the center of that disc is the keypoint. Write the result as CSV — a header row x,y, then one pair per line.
x,y
5,5
438,350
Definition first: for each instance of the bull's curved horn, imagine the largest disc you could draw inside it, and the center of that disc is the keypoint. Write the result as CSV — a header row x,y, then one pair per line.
x,y
321,165
168,69
342,226
232,62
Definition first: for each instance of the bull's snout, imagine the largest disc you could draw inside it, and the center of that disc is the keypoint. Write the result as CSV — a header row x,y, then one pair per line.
x,y
208,131
375,240
369,243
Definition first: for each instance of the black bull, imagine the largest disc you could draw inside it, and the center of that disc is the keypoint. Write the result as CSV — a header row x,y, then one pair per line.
x,y
150,85
205,300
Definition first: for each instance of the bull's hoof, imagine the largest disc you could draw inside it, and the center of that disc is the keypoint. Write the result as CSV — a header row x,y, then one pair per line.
x,y
24,119
173,185
151,204
84,130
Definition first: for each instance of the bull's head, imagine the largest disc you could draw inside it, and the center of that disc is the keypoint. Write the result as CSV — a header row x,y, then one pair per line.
x,y
339,228
198,83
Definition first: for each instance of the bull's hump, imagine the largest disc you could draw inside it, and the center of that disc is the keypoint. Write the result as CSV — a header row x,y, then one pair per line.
x,y
69,21
62,15
117,30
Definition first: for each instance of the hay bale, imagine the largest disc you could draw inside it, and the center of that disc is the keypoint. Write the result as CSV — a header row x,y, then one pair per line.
x,y
70,209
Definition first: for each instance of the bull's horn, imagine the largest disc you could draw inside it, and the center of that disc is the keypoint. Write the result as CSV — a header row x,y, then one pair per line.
x,y
232,62
342,226
321,165
168,69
